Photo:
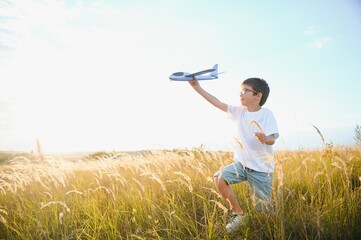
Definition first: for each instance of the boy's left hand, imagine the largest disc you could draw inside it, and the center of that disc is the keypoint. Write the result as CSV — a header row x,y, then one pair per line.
x,y
261,137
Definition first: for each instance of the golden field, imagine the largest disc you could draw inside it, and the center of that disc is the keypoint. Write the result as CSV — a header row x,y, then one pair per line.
x,y
170,195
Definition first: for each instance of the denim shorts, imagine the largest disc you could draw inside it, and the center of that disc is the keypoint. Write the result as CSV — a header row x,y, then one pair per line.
x,y
260,182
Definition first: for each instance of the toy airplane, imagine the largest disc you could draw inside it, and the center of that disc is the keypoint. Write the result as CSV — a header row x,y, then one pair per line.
x,y
183,76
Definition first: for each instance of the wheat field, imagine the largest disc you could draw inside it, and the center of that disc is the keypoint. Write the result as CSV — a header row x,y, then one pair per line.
x,y
169,194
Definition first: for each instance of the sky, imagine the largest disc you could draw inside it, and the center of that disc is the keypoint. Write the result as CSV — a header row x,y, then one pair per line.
x,y
94,75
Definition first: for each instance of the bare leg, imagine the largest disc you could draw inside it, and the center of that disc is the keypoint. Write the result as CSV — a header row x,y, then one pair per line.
x,y
227,193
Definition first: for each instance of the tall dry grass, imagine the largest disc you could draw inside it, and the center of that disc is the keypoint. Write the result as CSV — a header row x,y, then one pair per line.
x,y
170,195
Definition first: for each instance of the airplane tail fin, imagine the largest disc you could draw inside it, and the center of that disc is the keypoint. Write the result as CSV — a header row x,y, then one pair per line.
x,y
215,72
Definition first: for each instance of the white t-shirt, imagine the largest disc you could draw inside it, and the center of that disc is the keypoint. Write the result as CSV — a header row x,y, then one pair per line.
x,y
247,149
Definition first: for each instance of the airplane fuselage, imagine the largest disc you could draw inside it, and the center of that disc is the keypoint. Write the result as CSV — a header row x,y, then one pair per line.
x,y
184,76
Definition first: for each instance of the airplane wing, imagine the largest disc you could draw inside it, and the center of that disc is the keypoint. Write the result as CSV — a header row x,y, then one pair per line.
x,y
200,73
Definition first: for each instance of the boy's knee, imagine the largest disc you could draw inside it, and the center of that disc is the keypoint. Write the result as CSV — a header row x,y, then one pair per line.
x,y
219,182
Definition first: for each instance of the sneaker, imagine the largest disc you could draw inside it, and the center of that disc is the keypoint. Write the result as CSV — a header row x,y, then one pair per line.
x,y
235,223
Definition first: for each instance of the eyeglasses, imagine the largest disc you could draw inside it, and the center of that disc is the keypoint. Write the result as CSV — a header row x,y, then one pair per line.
x,y
246,90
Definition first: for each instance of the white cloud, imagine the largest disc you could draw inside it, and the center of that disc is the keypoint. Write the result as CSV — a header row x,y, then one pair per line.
x,y
320,43
310,30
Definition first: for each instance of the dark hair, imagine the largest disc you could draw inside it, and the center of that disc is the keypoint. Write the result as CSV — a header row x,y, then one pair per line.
x,y
259,85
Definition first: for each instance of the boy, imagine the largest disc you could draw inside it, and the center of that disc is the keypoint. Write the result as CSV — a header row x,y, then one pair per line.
x,y
253,155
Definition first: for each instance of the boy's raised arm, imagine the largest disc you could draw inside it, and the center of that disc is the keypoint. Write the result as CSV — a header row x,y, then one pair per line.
x,y
209,97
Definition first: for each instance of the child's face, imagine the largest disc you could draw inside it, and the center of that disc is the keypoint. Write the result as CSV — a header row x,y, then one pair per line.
x,y
249,97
